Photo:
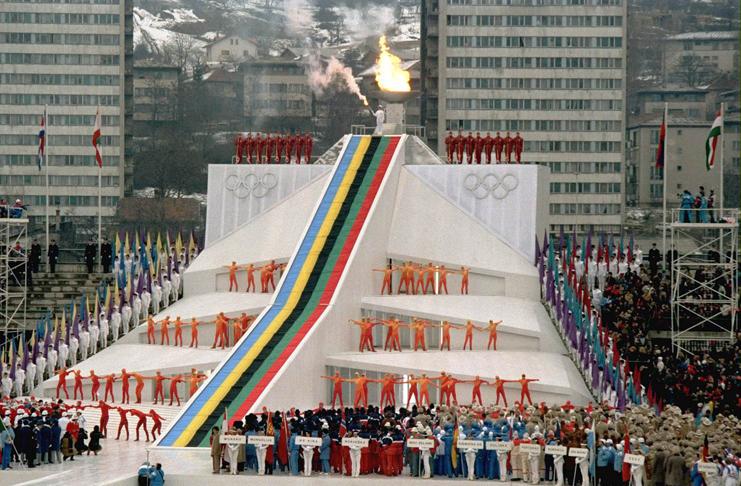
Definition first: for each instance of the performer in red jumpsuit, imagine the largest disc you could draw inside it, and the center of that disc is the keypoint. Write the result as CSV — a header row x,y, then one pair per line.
x,y
178,332
150,331
95,380
174,382
125,386
469,335
104,409
165,331
450,146
508,148
518,144
498,146
157,423
62,383
476,391
158,390
195,378
393,343
123,422
492,328
460,142
488,146
464,280
290,144
366,333
249,146
109,379
141,423
430,277
424,383
280,140
337,381
419,327
445,341
387,273
525,391
299,147
193,333
470,145
261,148
478,147
413,381
270,148
78,385
139,385
238,144
361,389
308,147
388,394
499,386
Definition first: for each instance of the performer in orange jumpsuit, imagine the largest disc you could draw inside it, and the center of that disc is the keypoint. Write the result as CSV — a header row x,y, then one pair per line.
x,y
492,328
178,332
424,383
139,385
308,147
498,146
361,389
366,333
233,276
164,331
237,328
464,280
123,422
250,277
445,341
150,331
430,277
157,423
419,288
142,422
337,381
174,382
109,379
517,144
393,343
95,380
220,330
443,378
469,335
450,383
442,273
388,393
476,392
499,386
488,146
158,390
78,385
508,148
413,381
193,333
478,147
407,275
266,276
62,383
194,379
525,390
125,386
450,146
244,324
470,145
387,272
419,327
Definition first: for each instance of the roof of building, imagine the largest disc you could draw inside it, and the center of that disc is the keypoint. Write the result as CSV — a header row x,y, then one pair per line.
x,y
654,120
711,35
223,37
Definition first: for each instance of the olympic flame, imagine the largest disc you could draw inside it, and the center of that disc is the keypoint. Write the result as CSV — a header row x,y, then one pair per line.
x,y
389,74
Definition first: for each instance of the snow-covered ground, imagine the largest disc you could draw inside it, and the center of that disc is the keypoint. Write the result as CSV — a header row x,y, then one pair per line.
x,y
156,30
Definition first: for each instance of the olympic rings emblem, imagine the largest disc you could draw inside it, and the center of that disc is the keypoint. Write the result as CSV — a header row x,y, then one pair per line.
x,y
256,185
490,184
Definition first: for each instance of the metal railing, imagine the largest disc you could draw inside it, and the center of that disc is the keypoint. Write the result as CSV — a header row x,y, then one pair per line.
x,y
704,216
416,130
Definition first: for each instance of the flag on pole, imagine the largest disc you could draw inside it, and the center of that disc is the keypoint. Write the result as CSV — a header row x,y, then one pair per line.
x,y
711,144
660,149
96,137
42,140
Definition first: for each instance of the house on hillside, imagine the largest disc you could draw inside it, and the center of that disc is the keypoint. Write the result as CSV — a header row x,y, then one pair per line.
x,y
230,49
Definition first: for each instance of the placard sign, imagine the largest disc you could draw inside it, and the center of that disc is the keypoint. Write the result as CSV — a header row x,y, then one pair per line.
x,y
470,444
233,439
421,443
499,446
580,452
555,450
354,441
261,440
707,467
530,448
309,441
636,459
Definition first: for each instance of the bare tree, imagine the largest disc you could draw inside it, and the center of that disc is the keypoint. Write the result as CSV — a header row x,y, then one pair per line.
x,y
182,52
692,70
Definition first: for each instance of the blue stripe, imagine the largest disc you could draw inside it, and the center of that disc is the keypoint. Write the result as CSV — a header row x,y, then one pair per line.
x,y
215,382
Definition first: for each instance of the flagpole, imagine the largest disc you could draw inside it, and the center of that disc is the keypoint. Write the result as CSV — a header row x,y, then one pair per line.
x,y
46,163
100,191
664,174
722,142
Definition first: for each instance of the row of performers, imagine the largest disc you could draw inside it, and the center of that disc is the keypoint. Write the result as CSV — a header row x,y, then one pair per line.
x,y
259,149
474,147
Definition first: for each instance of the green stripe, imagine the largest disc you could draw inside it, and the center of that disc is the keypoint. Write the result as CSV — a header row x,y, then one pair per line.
x,y
319,287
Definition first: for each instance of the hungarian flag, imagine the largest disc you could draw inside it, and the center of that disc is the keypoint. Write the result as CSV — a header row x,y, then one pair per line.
x,y
42,140
96,137
711,144
660,148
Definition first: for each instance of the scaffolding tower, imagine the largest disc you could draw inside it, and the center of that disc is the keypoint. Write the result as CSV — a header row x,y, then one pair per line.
x,y
13,271
704,293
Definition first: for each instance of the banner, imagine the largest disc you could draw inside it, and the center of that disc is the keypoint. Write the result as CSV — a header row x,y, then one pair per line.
x,y
309,441
261,440
355,441
422,443
233,439
530,448
470,444
499,446
636,459
555,450
579,452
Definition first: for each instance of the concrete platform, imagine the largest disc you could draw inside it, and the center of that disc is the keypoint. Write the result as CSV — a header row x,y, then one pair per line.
x,y
206,306
559,380
525,323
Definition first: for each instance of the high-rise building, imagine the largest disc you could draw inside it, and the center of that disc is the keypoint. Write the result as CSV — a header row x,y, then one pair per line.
x,y
72,55
554,70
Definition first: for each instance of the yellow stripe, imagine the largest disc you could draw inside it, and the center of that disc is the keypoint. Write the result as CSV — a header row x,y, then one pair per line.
x,y
300,284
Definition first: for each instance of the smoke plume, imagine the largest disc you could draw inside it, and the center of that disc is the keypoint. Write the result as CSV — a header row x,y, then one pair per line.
x,y
320,77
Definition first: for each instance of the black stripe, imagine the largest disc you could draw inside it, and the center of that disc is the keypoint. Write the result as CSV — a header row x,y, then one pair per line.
x,y
309,290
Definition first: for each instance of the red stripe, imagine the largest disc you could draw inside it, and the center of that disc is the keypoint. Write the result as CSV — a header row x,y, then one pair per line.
x,y
714,144
331,283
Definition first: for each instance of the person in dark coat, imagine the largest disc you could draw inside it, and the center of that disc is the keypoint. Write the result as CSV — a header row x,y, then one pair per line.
x,y
43,436
68,447
31,447
90,251
80,442
53,255
106,255
35,256
55,444
94,444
